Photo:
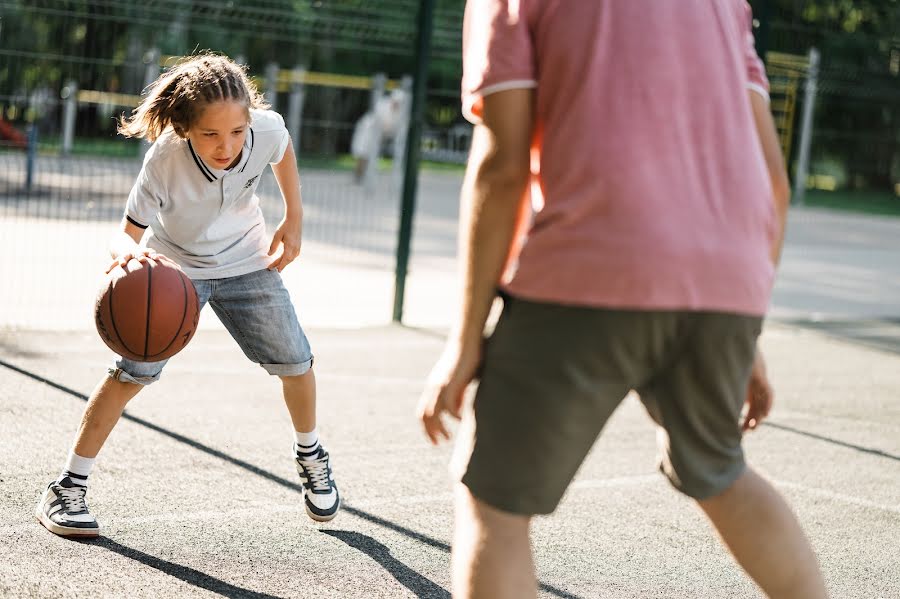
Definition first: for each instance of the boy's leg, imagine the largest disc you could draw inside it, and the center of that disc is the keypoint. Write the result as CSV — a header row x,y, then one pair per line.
x,y
757,525
104,408
300,399
258,312
491,552
320,494
62,508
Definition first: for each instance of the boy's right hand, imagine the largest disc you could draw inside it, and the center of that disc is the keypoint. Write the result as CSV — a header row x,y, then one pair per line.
x,y
141,254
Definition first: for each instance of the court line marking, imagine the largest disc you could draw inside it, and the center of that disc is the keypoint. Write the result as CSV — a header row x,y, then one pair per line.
x,y
582,485
858,501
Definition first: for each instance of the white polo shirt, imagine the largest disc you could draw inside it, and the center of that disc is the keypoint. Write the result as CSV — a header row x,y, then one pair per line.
x,y
206,219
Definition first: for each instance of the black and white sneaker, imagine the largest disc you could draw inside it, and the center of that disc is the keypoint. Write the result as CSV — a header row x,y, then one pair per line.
x,y
320,494
62,510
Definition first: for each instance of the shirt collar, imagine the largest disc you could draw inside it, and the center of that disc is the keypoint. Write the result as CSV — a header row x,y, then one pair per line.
x,y
214,174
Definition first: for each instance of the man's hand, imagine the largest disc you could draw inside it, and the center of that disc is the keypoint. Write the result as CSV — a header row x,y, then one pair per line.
x,y
446,387
759,395
288,235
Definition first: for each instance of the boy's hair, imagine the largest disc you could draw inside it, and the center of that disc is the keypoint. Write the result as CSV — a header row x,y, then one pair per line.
x,y
179,96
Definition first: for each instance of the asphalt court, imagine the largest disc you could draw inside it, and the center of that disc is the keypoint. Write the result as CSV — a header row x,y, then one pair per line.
x,y
198,496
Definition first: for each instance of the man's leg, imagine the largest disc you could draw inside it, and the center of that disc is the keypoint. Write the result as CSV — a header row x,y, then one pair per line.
x,y
491,552
762,533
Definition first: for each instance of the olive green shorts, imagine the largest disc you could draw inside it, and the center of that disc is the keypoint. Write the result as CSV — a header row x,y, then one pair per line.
x,y
554,374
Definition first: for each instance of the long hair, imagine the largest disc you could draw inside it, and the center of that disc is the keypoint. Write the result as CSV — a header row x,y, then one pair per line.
x,y
179,96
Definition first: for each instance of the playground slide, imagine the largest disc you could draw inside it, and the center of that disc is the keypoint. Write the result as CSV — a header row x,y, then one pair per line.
x,y
8,133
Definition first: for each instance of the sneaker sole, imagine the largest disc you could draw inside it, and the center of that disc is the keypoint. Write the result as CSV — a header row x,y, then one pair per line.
x,y
321,518
64,531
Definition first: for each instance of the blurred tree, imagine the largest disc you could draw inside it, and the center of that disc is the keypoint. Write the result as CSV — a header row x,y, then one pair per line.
x,y
857,122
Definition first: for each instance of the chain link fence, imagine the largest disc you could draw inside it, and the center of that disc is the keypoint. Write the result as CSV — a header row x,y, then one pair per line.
x,y
69,68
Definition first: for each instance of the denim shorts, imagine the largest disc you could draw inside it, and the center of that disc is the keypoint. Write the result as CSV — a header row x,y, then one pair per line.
x,y
257,311
553,375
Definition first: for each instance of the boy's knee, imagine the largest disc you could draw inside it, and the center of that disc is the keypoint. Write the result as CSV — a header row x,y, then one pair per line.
x,y
120,376
288,371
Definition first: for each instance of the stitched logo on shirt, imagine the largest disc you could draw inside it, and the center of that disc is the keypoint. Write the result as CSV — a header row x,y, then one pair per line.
x,y
250,182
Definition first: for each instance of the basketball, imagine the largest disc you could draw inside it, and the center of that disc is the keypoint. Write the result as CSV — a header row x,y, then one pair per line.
x,y
147,311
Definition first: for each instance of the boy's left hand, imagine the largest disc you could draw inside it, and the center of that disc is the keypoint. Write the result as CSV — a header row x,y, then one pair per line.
x,y
288,235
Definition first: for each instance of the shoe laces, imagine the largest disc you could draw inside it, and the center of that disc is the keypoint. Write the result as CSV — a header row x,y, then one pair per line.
x,y
317,473
73,498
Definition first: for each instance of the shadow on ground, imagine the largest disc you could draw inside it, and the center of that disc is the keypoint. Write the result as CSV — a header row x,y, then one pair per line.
x,y
184,573
882,333
400,571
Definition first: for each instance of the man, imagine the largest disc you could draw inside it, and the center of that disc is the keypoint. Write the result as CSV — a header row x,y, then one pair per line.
x,y
626,192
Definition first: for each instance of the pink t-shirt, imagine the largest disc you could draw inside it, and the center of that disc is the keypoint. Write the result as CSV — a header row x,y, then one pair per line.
x,y
650,190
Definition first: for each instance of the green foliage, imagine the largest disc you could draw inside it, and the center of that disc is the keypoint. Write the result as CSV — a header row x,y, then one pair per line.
x,y
857,112
101,45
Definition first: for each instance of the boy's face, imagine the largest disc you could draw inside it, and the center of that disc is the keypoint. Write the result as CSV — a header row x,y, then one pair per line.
x,y
218,134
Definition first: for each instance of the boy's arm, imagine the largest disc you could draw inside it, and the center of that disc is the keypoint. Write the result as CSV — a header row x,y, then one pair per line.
x,y
125,245
126,240
290,230
768,139
491,205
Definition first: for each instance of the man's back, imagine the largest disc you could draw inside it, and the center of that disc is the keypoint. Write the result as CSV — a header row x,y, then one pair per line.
x,y
650,173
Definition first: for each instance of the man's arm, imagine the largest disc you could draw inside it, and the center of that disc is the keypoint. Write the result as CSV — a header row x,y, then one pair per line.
x,y
491,206
768,139
760,395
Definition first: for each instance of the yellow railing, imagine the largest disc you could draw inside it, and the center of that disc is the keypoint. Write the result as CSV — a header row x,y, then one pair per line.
x,y
785,72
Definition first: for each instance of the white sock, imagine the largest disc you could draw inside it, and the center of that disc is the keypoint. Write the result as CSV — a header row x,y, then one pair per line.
x,y
77,468
306,444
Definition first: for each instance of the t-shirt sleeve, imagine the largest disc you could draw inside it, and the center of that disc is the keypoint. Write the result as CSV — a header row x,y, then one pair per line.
x,y
274,124
498,52
756,71
145,200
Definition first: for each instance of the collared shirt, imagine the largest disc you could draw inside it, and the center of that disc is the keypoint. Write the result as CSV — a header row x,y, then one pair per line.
x,y
208,220
650,190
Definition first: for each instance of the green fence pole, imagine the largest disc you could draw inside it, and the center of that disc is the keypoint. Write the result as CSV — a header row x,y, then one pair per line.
x,y
761,13
413,150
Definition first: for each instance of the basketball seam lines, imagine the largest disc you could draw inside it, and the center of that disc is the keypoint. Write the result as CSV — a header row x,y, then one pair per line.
x,y
112,318
183,317
149,297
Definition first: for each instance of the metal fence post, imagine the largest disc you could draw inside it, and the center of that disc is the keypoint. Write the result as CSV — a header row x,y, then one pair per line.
x,y
271,92
295,106
379,82
69,94
806,127
413,150
151,73
30,153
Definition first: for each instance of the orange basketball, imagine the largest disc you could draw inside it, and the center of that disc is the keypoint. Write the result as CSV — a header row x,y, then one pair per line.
x,y
147,311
